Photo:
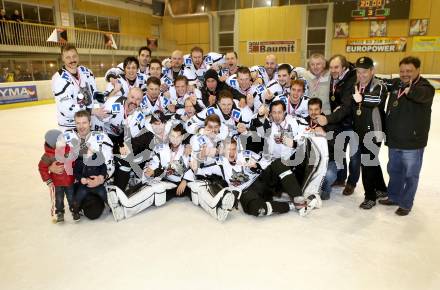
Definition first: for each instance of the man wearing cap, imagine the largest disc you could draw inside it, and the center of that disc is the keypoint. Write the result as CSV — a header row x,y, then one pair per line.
x,y
408,120
369,96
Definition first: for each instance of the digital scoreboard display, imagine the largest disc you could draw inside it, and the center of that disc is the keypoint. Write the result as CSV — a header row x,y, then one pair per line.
x,y
350,10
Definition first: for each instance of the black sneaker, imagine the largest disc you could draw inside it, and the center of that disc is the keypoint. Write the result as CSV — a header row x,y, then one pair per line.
x,y
381,194
402,211
60,217
387,202
76,216
367,204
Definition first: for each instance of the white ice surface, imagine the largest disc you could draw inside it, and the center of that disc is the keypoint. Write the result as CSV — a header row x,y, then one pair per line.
x,y
178,246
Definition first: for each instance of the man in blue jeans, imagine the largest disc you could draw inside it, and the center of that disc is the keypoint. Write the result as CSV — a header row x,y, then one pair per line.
x,y
408,119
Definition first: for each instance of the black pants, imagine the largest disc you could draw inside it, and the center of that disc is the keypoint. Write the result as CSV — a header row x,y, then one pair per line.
x,y
171,193
276,178
372,177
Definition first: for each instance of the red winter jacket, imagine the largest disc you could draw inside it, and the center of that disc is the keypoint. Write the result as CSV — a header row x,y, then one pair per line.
x,y
47,159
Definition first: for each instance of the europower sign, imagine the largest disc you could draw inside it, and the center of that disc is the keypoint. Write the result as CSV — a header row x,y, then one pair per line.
x,y
17,94
377,44
285,46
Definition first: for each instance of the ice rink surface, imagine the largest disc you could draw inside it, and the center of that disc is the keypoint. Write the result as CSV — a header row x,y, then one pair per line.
x,y
179,246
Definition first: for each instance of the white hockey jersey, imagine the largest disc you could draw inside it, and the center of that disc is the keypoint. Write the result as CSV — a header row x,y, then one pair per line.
x,y
196,76
179,101
119,70
99,142
72,95
140,82
117,123
237,116
262,73
291,127
238,175
299,110
175,164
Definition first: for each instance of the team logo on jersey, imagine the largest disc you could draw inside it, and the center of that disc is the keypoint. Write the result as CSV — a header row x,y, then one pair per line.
x,y
201,140
65,76
208,59
233,83
144,102
261,70
168,81
210,111
83,69
260,89
140,77
116,108
166,101
68,137
236,114
139,117
99,138
188,61
284,99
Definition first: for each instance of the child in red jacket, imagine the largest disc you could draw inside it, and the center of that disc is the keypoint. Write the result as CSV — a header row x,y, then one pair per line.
x,y
59,184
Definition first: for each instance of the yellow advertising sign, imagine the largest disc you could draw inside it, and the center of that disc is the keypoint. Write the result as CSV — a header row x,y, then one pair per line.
x,y
426,43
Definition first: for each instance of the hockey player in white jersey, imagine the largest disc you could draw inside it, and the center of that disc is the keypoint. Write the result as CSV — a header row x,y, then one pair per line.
x,y
164,179
296,102
237,120
196,64
268,72
156,71
251,92
210,193
130,78
154,100
230,66
144,57
120,108
181,91
73,87
173,67
278,131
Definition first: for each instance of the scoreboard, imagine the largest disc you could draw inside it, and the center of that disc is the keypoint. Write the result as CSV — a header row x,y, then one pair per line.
x,y
349,10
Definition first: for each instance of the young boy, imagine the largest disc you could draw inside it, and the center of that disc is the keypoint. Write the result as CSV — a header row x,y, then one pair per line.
x,y
55,150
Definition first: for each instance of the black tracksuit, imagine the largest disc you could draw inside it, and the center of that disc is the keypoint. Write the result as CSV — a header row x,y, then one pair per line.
x,y
369,116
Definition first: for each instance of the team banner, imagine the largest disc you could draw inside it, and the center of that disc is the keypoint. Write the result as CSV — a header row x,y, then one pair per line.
x,y
377,44
18,94
426,43
271,46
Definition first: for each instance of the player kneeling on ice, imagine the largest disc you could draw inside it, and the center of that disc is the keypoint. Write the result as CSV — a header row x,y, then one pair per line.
x,y
209,190
165,178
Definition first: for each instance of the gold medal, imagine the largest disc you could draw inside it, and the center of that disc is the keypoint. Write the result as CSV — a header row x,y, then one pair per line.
x,y
333,98
395,103
358,112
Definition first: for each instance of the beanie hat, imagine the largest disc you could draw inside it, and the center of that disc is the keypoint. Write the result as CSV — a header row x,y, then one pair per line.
x,y
51,137
211,74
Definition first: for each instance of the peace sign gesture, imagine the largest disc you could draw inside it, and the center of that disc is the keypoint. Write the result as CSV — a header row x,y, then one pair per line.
x,y
357,95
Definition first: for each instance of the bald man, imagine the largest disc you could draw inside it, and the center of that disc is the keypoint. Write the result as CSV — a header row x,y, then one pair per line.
x,y
268,72
173,67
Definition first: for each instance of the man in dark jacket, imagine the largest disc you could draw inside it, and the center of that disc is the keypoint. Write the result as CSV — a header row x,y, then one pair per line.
x,y
343,78
368,121
408,119
212,88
